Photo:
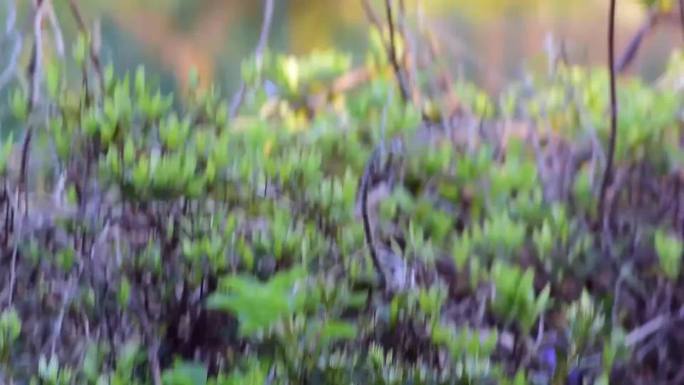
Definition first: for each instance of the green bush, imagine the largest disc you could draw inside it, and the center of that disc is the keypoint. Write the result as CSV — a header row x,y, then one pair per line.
x,y
205,248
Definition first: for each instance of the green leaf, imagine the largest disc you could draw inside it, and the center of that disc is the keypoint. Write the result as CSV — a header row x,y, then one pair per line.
x,y
193,78
52,78
10,327
19,104
337,330
185,373
80,49
669,249
259,305
140,81
124,293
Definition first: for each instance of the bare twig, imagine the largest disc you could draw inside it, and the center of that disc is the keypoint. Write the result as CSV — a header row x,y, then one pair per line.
x,y
36,71
56,30
9,71
344,83
35,75
646,330
57,328
11,34
409,58
11,17
394,60
635,43
613,112
94,58
681,15
271,376
368,231
372,16
17,239
258,54
154,363
654,325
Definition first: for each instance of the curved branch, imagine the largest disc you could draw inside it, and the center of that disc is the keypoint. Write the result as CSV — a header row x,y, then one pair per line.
x,y
258,53
613,112
681,15
394,60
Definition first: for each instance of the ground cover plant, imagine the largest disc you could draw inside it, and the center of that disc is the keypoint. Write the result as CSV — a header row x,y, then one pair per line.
x,y
356,221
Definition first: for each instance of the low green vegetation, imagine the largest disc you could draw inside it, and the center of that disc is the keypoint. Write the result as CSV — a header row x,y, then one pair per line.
x,y
185,246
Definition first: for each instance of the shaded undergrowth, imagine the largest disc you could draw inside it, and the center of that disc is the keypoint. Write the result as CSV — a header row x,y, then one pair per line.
x,y
341,229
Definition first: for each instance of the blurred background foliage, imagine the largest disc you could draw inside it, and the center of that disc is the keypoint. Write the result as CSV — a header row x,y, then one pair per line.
x,y
488,41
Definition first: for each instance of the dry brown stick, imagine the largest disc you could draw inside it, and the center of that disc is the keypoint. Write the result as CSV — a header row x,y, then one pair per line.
x,y
634,44
368,231
258,54
607,174
67,294
56,30
10,33
389,48
681,15
344,83
654,19
394,61
371,15
35,76
644,331
154,363
35,68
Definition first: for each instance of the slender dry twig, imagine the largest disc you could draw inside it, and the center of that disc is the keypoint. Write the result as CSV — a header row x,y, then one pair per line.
x,y
613,112
56,30
92,52
371,15
35,76
646,330
681,15
67,294
37,62
154,363
409,58
394,60
9,71
15,249
11,17
258,55
635,43
365,185
344,83
11,34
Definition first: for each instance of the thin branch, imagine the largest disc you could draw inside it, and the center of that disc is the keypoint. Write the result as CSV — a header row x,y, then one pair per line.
x,y
15,249
153,360
656,324
94,58
37,62
57,327
410,58
373,17
681,15
258,54
368,232
35,74
265,29
393,53
56,30
613,112
11,17
344,83
10,70
635,43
